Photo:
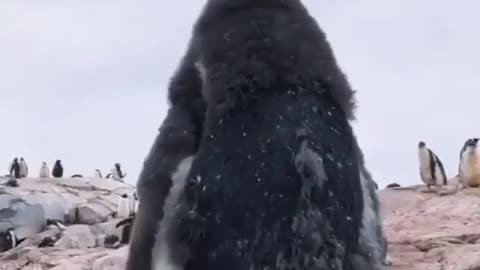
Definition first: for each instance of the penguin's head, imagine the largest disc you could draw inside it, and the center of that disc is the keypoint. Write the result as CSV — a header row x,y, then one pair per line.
x,y
124,196
44,163
21,159
58,161
472,142
117,165
421,144
15,160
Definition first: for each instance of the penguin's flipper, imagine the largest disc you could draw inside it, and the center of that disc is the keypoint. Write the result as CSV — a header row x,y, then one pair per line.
x,y
124,221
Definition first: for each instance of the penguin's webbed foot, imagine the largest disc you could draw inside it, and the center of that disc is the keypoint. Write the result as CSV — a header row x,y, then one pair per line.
x,y
387,263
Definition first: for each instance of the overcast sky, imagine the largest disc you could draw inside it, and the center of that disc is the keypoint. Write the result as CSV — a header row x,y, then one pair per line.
x,y
84,81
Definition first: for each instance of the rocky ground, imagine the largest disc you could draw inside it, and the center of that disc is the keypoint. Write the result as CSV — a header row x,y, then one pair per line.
x,y
430,232
425,231
88,204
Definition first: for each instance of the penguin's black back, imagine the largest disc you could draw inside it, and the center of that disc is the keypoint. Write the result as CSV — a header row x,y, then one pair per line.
x,y
15,170
119,170
442,169
433,164
57,169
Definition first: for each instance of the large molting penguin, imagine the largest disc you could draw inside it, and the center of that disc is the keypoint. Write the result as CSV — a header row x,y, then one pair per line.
x,y
44,171
469,165
432,171
57,171
275,182
15,168
23,168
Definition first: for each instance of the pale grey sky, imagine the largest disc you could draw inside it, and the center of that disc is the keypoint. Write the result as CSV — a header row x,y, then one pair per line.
x,y
84,81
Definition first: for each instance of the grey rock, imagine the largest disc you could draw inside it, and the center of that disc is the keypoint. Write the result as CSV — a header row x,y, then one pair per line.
x,y
27,219
92,213
104,227
36,239
77,237
114,261
54,206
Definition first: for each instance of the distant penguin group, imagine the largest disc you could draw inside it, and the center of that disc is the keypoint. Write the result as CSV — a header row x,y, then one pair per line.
x,y
432,171
126,208
431,168
18,169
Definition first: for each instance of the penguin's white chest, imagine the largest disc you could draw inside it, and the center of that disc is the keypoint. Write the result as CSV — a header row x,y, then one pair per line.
x,y
115,175
23,169
44,172
161,254
425,167
470,165
123,208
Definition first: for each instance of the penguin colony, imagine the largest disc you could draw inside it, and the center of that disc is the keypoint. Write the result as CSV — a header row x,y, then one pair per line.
x,y
19,169
126,210
126,207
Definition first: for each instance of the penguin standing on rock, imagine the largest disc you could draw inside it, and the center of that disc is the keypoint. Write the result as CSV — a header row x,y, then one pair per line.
x,y
57,171
134,204
126,231
98,173
432,171
15,168
123,207
8,240
23,168
469,165
117,173
44,171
